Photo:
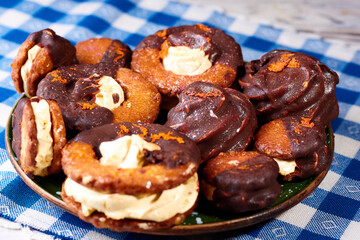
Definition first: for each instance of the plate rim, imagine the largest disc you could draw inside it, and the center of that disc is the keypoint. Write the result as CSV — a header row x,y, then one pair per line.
x,y
182,230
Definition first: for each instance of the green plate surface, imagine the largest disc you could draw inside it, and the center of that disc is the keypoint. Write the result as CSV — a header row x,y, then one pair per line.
x,y
203,220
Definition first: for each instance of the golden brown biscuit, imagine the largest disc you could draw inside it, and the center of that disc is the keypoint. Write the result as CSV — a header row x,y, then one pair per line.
x,y
97,50
178,56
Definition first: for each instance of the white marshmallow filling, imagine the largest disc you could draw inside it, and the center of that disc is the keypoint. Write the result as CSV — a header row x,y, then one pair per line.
x,y
26,68
183,60
110,94
285,166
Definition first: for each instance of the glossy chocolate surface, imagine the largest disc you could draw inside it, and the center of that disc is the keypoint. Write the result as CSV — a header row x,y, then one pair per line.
x,y
60,49
243,181
217,119
16,125
74,88
283,83
311,165
305,137
118,53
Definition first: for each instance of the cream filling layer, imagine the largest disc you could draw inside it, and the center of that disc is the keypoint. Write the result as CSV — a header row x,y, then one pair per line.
x,y
183,60
110,94
26,68
44,154
125,152
285,166
151,207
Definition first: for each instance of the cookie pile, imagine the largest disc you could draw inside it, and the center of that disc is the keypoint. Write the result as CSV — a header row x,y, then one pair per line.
x,y
142,135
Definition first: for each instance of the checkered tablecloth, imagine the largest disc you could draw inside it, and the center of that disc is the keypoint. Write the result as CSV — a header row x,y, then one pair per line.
x,y
330,212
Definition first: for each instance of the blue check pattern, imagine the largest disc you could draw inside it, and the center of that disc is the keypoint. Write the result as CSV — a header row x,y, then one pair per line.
x,y
330,212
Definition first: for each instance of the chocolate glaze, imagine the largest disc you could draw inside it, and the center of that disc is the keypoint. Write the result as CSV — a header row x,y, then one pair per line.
x,y
112,53
60,49
16,126
171,155
217,119
312,164
71,85
285,83
305,138
243,181
222,48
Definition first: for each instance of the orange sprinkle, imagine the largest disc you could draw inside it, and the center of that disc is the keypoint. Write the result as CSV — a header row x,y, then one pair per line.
x,y
142,129
120,55
293,63
305,84
306,122
212,93
203,27
124,129
162,33
164,49
166,136
87,106
297,130
277,66
57,78
285,61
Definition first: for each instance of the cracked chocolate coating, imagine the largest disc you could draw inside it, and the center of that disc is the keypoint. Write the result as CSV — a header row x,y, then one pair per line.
x,y
241,181
283,83
217,119
76,84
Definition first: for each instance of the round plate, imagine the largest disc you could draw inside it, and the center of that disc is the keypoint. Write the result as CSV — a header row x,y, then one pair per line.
x,y
202,220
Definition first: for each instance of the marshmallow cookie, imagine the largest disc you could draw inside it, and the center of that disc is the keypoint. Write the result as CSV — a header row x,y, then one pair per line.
x,y
39,134
175,57
237,182
131,176
97,50
284,83
91,95
217,119
297,145
41,52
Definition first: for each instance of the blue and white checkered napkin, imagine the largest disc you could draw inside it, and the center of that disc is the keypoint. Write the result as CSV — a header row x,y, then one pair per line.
x,y
330,212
